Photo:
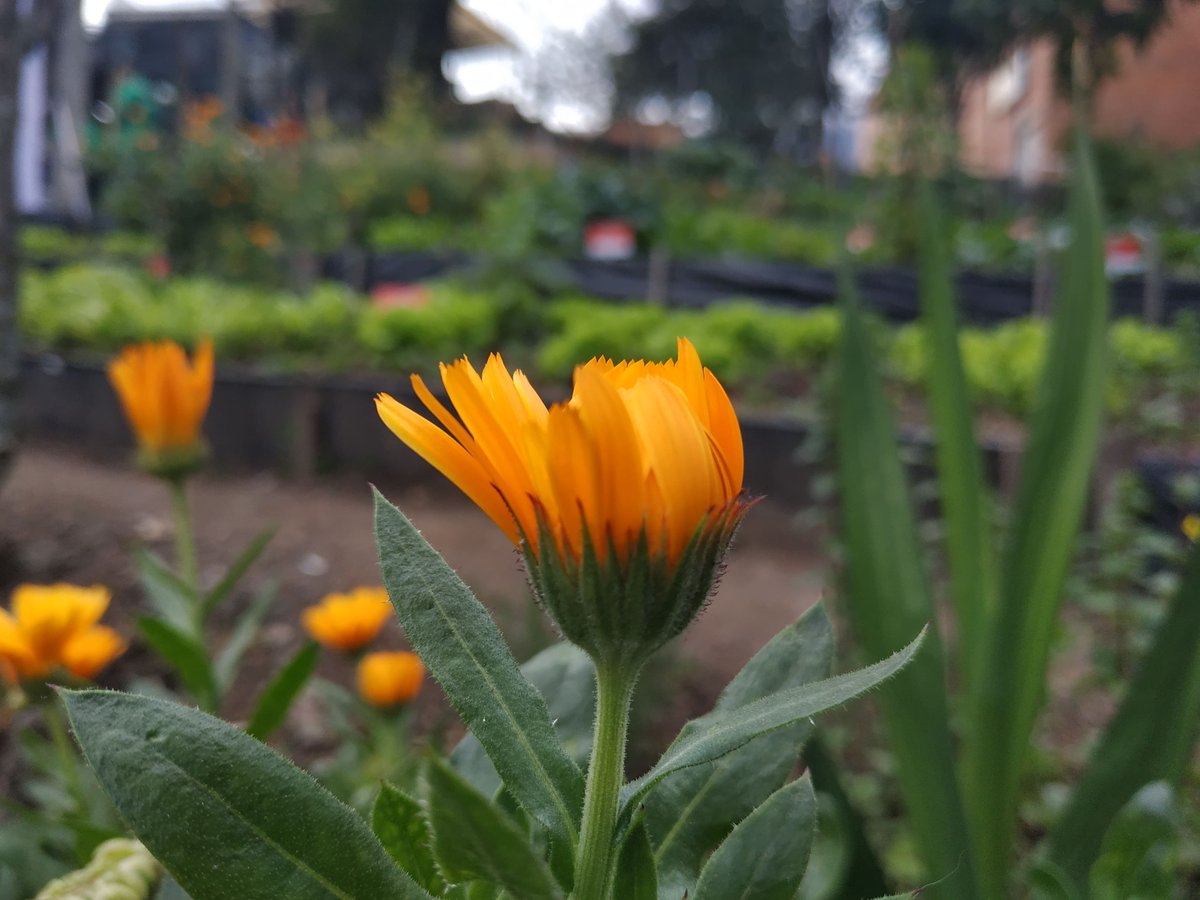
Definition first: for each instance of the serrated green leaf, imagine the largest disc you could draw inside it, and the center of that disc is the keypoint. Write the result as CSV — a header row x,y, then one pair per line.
x,y
765,856
474,841
167,591
712,736
185,655
566,679
1064,434
636,878
225,668
401,826
279,695
888,596
1150,737
225,814
465,652
691,812
234,573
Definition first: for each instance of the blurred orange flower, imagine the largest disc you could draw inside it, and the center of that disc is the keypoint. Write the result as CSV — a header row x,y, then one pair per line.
x,y
349,621
261,235
418,200
390,679
1191,528
53,625
165,399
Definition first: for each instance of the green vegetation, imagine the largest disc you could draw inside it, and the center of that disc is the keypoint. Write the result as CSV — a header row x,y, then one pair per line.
x,y
769,351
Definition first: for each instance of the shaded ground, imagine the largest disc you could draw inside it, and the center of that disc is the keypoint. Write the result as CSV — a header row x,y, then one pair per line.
x,y
66,516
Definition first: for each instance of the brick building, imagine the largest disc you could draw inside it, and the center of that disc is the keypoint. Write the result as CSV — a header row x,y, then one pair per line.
x,y
1013,122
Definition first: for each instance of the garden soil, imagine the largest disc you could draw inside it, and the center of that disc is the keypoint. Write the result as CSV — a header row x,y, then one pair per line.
x,y
66,515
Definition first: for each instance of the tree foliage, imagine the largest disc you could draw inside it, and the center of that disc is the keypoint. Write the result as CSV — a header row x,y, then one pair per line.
x,y
756,70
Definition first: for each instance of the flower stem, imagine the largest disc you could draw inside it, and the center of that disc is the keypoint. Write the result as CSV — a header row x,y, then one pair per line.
x,y
606,774
67,761
185,549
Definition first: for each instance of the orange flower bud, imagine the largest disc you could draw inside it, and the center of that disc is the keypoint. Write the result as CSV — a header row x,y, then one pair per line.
x,y
348,622
390,679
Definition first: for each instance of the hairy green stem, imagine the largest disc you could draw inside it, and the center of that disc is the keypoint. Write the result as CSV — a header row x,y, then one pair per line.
x,y
606,774
185,550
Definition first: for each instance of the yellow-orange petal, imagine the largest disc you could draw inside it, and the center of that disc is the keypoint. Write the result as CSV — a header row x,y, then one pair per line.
x,y
389,679
348,621
50,615
17,656
85,654
447,456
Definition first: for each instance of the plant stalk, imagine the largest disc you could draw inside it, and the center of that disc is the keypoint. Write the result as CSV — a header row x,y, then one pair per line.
x,y
185,549
606,774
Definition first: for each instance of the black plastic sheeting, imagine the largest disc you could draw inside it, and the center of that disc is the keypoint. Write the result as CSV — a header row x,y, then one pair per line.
x,y
985,299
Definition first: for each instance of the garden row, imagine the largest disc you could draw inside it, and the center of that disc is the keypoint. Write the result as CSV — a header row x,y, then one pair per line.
x,y
759,349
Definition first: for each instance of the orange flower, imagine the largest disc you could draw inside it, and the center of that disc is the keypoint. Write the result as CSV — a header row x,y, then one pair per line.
x,y
165,400
348,621
88,652
53,625
261,235
610,495
389,679
653,446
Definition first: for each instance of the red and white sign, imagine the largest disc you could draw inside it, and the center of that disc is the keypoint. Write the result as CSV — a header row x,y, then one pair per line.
x,y
1124,255
609,239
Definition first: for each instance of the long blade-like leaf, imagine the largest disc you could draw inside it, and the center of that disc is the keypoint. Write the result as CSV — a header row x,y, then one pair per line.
x,y
1064,435
186,656
712,736
465,652
1150,738
225,814
402,826
281,692
236,570
888,597
960,470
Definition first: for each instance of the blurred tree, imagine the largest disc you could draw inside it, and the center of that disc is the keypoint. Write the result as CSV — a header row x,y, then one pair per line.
x,y
17,36
355,46
754,71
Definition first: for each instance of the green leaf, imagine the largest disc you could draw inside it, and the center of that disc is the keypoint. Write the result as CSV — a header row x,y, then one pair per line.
x,y
169,594
234,573
566,679
636,878
1064,434
225,814
765,856
888,597
863,874
717,733
691,812
278,696
185,655
225,668
1139,860
474,841
1150,737
964,502
400,824
465,652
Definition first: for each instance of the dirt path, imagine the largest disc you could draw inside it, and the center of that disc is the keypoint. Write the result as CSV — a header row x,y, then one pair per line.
x,y
66,516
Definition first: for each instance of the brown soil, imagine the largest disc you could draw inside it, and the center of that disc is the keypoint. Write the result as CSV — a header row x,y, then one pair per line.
x,y
65,516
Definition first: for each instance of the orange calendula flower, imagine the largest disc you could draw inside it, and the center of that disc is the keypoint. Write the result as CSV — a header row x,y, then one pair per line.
x,y
390,679
55,625
348,621
88,652
639,472
165,399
